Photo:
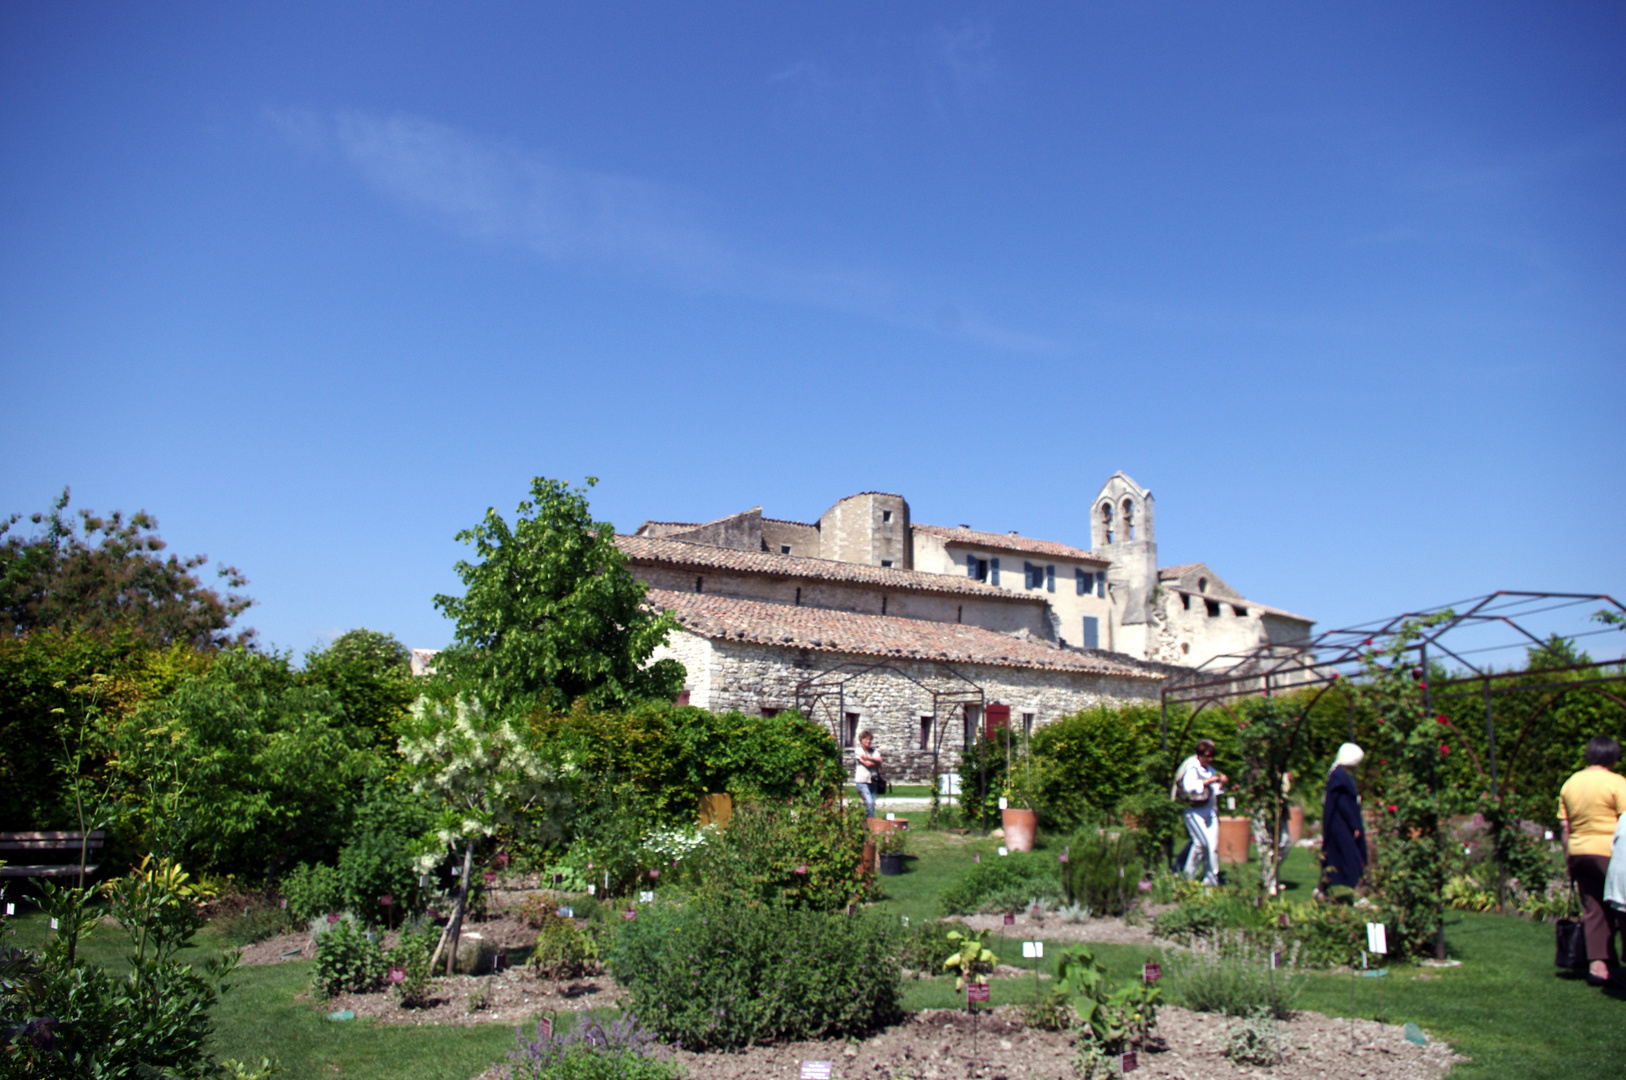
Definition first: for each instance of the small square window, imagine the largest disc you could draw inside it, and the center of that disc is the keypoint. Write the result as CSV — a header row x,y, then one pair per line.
x,y
886,562
886,515
784,549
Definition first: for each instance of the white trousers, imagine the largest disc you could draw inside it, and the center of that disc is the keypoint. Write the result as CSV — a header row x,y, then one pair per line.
x,y
1204,846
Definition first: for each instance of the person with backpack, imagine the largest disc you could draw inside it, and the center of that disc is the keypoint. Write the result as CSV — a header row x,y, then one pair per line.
x,y
1197,787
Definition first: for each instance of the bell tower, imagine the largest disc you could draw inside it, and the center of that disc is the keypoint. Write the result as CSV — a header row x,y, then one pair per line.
x,y
1122,530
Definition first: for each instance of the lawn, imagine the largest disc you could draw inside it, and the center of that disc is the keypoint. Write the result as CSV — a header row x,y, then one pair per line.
x,y
1507,1007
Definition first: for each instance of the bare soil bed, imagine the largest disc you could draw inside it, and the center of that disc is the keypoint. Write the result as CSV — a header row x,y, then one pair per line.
x,y
514,997
949,1045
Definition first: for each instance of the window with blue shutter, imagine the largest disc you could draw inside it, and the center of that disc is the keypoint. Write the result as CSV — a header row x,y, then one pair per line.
x,y
1092,632
1027,575
970,566
993,571
1081,581
1101,585
1050,579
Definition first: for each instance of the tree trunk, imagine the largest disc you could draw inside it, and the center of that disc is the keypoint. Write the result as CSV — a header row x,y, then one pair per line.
x,y
454,930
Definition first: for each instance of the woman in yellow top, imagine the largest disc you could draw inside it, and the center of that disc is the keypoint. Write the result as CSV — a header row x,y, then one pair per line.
x,y
1589,805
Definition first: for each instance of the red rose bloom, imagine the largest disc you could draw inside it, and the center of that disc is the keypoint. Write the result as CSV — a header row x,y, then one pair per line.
x,y
1444,749
1391,808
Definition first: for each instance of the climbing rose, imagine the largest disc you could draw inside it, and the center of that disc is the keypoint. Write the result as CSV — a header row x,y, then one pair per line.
x,y
1391,808
1443,719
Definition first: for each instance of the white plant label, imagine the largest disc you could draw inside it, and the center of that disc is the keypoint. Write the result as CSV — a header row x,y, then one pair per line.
x,y
1376,938
646,897
891,816
1230,802
1548,835
11,909
815,1070
592,890
1004,803
54,924
1032,950
1004,851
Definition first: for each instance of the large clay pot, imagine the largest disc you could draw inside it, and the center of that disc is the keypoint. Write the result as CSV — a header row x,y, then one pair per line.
x,y
1019,826
716,808
1295,824
1235,833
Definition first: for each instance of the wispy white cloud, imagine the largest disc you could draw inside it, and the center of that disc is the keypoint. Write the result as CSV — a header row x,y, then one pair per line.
x,y
499,193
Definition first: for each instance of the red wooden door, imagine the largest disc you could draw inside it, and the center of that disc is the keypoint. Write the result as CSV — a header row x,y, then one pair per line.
x,y
996,716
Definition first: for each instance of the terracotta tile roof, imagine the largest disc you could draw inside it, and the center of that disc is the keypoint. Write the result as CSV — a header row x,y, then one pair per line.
x,y
1008,542
787,627
655,551
1169,573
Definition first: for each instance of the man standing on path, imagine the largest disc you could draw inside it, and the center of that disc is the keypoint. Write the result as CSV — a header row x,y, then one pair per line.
x,y
1199,786
868,765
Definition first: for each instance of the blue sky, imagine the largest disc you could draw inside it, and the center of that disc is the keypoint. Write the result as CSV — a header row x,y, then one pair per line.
x,y
317,284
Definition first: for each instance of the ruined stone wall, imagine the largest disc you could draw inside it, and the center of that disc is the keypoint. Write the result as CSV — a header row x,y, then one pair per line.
x,y
801,539
870,528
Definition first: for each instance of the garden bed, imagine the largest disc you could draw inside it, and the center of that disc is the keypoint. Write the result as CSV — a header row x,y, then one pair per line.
x,y
941,1044
514,997
1108,929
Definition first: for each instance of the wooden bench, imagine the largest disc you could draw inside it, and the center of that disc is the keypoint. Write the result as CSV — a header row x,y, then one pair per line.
x,y
53,843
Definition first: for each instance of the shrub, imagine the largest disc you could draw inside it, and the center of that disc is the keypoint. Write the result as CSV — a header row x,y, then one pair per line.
x,y
1094,752
591,1051
1104,871
348,960
807,856
928,945
715,975
1238,984
1033,875
247,919
562,950
377,859
1253,1039
411,956
312,891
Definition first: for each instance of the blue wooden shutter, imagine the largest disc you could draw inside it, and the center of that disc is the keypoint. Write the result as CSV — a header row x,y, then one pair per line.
x,y
971,566
1050,578
1080,581
1092,632
993,570
1101,585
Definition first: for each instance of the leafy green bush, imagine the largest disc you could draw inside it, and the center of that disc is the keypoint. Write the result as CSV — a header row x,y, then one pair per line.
x,y
1090,750
247,919
591,1051
411,957
377,859
348,961
312,891
1104,871
710,975
562,950
1020,877
804,855
928,945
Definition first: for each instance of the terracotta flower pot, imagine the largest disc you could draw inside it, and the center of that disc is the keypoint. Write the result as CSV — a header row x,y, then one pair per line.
x,y
716,808
1295,824
1019,826
1235,834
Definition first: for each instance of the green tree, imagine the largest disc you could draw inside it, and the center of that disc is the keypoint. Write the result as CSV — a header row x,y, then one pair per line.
x,y
551,615
104,574
482,773
369,674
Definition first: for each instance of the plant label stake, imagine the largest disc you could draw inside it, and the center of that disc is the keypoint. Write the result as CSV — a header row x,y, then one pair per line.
x,y
1034,950
976,859
11,909
592,890
1376,938
1128,1062
629,914
1150,973
1003,851
975,992
1008,920
646,896
397,975
816,1070
547,1027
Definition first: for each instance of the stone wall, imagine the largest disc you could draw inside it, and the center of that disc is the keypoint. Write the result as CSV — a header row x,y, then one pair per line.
x,y
870,528
751,678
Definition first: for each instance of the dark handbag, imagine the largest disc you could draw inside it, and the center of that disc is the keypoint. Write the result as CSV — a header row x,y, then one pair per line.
x,y
877,783
1571,942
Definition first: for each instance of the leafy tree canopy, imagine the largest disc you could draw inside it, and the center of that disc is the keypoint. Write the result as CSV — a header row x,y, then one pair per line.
x,y
551,615
105,573
370,675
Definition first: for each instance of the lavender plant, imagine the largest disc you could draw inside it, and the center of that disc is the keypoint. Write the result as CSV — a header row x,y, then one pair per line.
x,y
623,1050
